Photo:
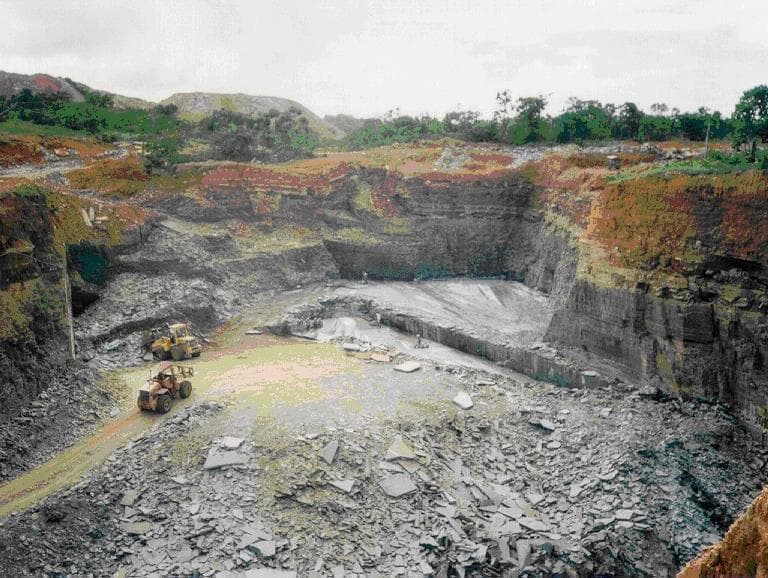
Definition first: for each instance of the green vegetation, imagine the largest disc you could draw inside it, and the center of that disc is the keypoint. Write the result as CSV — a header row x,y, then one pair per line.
x,y
270,137
751,118
95,116
523,121
716,163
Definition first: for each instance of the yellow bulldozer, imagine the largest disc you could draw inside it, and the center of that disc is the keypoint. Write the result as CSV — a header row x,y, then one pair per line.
x,y
176,343
159,390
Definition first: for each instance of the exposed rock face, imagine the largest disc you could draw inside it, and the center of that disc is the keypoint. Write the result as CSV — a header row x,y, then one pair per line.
x,y
691,348
32,340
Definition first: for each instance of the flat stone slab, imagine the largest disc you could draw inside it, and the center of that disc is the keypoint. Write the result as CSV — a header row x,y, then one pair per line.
x,y
624,514
129,498
398,450
138,528
543,423
351,347
254,332
408,367
381,357
463,400
328,453
268,573
343,485
264,548
218,459
398,485
533,524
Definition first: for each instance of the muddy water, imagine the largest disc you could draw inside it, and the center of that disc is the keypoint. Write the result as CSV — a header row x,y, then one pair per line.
x,y
266,372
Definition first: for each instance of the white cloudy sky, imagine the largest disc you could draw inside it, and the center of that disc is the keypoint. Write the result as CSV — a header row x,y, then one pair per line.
x,y
366,57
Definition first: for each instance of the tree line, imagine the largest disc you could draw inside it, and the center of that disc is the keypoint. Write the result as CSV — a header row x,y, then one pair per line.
x,y
522,121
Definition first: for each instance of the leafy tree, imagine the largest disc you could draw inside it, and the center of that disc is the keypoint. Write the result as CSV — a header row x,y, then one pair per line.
x,y
629,120
750,118
528,126
583,120
654,128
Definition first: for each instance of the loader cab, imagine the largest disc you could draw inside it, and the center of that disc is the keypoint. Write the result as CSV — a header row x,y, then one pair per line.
x,y
179,332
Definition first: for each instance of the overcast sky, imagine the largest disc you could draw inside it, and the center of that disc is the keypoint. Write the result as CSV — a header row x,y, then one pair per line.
x,y
422,56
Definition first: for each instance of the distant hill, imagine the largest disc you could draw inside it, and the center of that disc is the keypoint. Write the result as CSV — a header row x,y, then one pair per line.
x,y
345,123
11,83
198,105
192,105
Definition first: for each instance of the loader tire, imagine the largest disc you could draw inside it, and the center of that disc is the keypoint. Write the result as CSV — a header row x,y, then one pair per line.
x,y
177,353
163,404
185,389
160,354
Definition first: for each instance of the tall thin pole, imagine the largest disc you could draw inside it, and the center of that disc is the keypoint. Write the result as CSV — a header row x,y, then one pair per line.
x,y
68,306
706,139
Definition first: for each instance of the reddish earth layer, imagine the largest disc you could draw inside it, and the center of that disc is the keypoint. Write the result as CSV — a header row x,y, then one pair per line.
x,y
742,553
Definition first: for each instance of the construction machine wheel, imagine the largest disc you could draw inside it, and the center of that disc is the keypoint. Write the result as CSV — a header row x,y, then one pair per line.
x,y
185,389
177,353
196,354
163,404
160,354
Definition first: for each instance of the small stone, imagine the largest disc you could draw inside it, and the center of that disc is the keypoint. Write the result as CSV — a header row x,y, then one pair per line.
x,y
397,485
399,450
463,400
218,459
554,445
533,524
624,514
181,480
344,485
138,528
129,498
534,499
328,453
254,332
269,573
114,412
548,425
231,443
408,367
351,347
381,357
264,548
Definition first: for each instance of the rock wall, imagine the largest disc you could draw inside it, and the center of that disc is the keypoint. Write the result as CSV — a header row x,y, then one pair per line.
x,y
33,344
692,348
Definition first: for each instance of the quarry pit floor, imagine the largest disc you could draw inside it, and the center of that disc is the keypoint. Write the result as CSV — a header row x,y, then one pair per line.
x,y
598,473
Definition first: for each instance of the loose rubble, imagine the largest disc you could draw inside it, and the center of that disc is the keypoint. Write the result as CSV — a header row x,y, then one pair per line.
x,y
534,481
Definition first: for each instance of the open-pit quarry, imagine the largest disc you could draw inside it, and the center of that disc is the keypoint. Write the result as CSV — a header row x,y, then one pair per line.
x,y
437,360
